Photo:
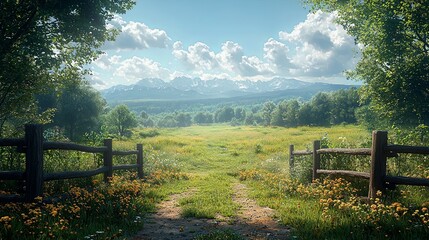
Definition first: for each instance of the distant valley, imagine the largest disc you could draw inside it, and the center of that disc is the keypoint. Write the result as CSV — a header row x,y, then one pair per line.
x,y
155,95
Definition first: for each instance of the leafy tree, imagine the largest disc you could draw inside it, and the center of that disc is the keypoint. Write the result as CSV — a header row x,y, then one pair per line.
x,y
277,116
203,118
167,122
224,114
78,110
267,111
305,115
148,122
44,43
239,113
183,119
121,119
344,104
144,115
321,109
253,119
291,114
394,36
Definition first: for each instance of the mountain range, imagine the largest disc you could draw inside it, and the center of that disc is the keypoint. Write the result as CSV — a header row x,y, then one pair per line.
x,y
184,88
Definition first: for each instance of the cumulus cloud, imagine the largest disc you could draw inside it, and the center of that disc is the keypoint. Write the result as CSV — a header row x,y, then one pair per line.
x,y
105,62
323,48
230,60
136,68
196,57
136,35
277,54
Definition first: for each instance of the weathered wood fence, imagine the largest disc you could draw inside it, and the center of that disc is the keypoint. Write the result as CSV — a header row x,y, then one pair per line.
x,y
379,152
33,146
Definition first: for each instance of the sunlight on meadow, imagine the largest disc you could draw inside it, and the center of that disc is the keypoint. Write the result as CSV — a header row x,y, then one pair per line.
x,y
209,160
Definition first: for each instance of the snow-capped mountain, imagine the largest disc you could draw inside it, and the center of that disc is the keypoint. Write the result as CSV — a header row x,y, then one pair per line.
x,y
195,88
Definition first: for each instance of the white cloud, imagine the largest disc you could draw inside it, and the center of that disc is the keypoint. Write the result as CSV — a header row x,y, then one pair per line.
x,y
136,35
323,48
230,61
135,68
105,62
277,54
230,56
196,57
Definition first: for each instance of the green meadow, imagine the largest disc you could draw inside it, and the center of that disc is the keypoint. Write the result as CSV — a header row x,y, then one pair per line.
x,y
208,161
216,157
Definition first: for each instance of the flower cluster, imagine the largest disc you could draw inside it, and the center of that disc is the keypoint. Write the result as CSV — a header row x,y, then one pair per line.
x,y
121,200
337,197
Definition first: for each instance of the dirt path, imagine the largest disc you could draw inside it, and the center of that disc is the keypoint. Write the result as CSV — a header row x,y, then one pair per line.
x,y
252,222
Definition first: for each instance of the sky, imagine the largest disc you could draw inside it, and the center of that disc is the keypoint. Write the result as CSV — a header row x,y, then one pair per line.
x,y
226,39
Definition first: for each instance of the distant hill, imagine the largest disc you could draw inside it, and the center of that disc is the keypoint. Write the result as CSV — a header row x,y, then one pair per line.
x,y
155,95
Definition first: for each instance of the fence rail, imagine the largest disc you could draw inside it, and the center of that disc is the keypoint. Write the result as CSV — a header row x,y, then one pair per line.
x,y
379,152
33,146
72,147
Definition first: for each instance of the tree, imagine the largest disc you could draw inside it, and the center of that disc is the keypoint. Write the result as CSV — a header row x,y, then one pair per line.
x,y
344,105
321,109
305,115
183,119
267,111
121,119
43,43
277,118
167,122
78,110
224,114
291,114
144,115
394,36
203,118
240,113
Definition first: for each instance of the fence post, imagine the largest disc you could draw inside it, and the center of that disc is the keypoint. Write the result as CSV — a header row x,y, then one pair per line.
x,y
316,159
291,159
140,160
108,159
378,163
33,161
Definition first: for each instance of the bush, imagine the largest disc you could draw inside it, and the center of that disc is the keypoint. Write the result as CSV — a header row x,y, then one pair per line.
x,y
148,134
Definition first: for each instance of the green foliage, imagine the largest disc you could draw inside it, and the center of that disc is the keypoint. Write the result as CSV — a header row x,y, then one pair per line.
x,y
395,54
183,119
121,120
203,118
44,44
344,104
167,122
150,133
225,114
267,112
79,109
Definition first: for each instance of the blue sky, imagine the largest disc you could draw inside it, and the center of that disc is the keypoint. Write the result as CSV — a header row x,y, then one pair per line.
x,y
233,39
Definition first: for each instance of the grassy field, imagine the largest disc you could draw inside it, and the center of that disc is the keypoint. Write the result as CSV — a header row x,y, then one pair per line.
x,y
215,157
209,160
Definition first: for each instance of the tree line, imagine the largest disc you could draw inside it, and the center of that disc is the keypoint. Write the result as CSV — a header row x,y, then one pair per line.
x,y
78,110
323,109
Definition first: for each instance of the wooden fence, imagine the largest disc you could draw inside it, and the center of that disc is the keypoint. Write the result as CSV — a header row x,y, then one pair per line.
x,y
379,152
33,146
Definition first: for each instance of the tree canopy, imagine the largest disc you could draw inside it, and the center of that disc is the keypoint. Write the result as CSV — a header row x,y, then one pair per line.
x,y
121,119
78,110
45,42
394,36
